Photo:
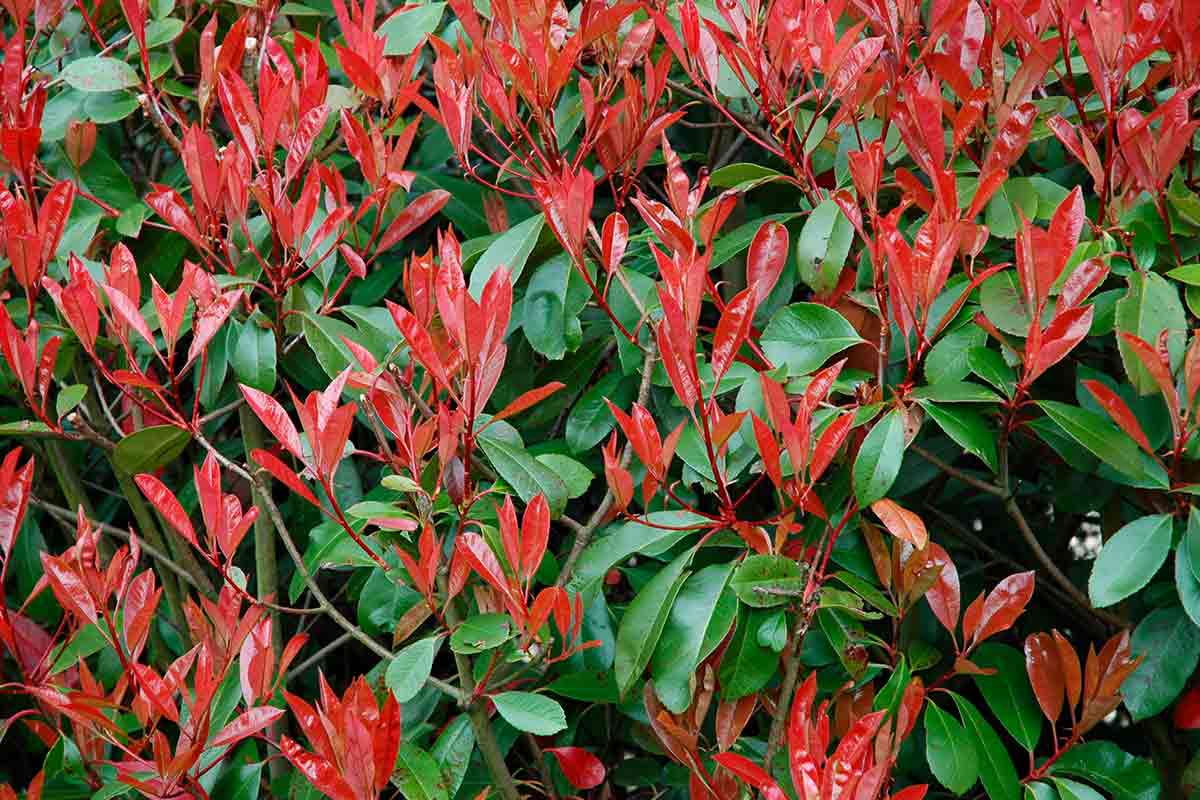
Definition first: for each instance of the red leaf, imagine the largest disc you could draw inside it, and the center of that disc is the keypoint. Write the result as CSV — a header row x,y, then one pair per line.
x,y
414,215
582,769
752,774
273,416
1045,673
1003,605
52,218
1061,336
15,486
535,533
168,505
267,460
613,240
306,130
731,333
320,772
1187,710
528,400
901,523
944,596
1120,413
246,724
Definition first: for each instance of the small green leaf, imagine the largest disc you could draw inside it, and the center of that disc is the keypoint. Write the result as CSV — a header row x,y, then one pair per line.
x,y
996,768
481,632
532,713
1008,693
70,397
764,581
411,667
804,336
1150,306
1169,644
150,448
253,357
823,246
644,620
99,74
528,476
968,429
949,751
879,459
418,775
509,252
1130,559
591,419
406,31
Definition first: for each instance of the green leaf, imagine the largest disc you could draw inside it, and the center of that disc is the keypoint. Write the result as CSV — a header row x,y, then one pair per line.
x,y
1149,307
996,768
1119,775
89,641
452,751
1192,540
990,365
1130,559
411,667
1106,442
1169,644
591,419
406,31
948,359
704,609
481,632
949,751
804,336
253,357
618,542
879,459
823,246
418,775
237,782
68,398
532,713
955,392
1008,693
1187,584
1073,790
575,476
764,581
324,335
545,310
968,429
509,252
588,687
744,176
747,666
150,448
524,473
644,620
99,74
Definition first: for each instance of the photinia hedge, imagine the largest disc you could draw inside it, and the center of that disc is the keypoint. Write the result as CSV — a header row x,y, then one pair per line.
x,y
646,398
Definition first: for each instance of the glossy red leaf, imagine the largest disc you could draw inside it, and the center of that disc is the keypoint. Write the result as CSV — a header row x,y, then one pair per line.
x,y
419,211
282,473
752,774
583,770
732,330
901,523
1003,605
274,418
15,486
320,772
1187,710
528,400
246,724
168,505
1121,414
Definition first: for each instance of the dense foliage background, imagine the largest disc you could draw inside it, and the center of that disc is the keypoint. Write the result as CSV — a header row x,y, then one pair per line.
x,y
656,398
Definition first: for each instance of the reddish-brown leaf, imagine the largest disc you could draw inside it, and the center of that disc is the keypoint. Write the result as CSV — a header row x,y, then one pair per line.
x,y
1045,673
583,770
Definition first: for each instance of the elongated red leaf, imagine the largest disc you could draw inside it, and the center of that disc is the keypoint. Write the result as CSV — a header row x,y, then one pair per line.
x,y
273,416
1120,413
583,770
246,724
168,505
901,523
1045,673
414,215
1003,605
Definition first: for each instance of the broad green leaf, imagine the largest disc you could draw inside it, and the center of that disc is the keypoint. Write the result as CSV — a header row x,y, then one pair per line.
x,y
324,335
150,448
532,713
1169,644
99,74
968,429
418,775
744,176
948,359
996,769
1119,775
1073,790
1130,559
237,782
703,610
644,620
88,641
528,476
588,687
574,475
1149,307
949,751
1187,584
823,246
955,392
68,398
763,581
253,358
1104,440
406,31
452,751
1008,693
747,666
805,335
509,252
1040,791
990,365
618,542
591,419
1191,540
481,632
411,667
879,459
545,314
